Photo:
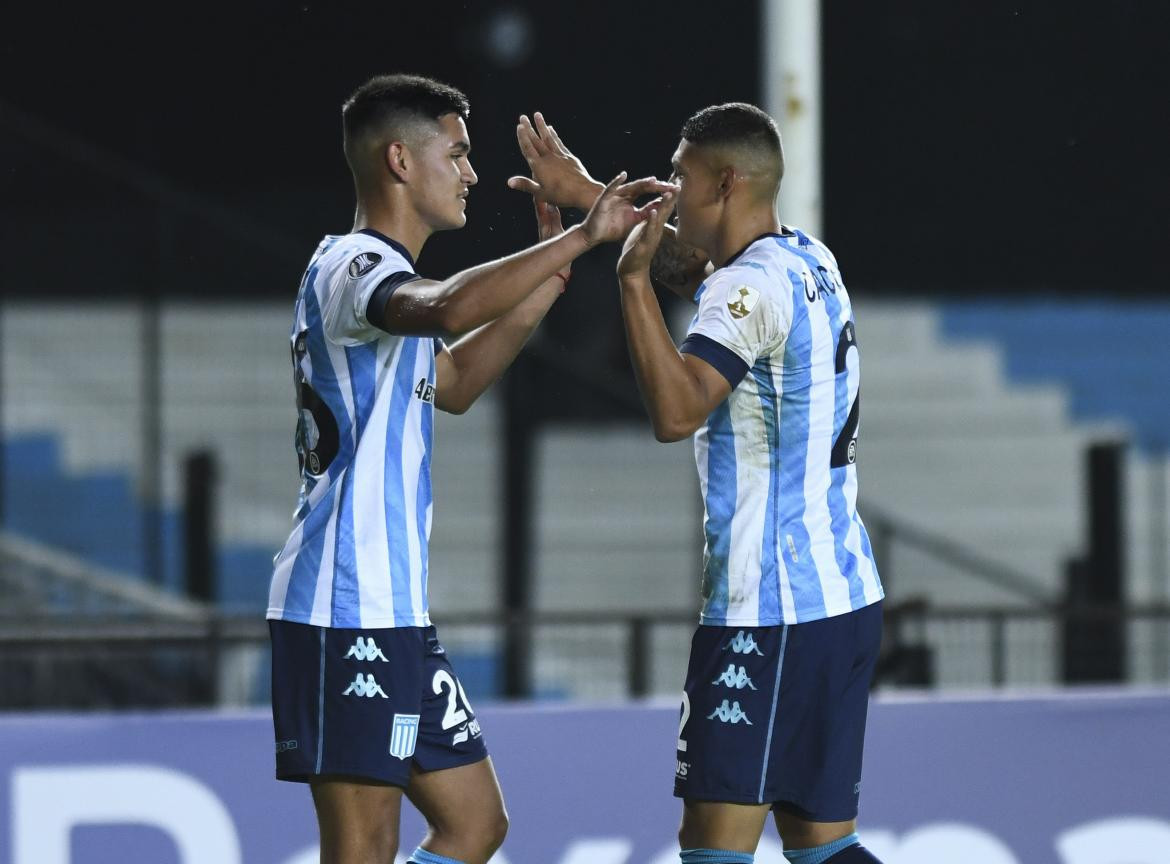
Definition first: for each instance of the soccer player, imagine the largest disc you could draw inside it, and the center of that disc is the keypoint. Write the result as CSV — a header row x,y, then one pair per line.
x,y
366,705
774,707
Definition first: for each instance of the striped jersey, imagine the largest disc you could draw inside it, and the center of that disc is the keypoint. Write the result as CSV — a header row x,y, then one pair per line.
x,y
357,555
777,459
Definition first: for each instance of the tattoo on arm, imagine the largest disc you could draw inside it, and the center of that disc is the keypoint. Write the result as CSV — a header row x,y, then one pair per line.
x,y
674,263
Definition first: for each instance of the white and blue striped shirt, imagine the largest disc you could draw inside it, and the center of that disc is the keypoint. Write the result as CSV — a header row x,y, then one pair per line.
x,y
357,555
776,460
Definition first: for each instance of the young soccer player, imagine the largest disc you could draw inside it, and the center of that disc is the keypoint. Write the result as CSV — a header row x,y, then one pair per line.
x,y
767,381
366,706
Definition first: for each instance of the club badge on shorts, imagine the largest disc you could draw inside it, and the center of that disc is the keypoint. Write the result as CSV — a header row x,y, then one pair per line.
x,y
404,735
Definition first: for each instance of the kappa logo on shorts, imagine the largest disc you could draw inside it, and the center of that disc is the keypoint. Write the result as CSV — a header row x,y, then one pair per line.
x,y
367,687
733,679
743,644
364,263
365,649
404,735
729,714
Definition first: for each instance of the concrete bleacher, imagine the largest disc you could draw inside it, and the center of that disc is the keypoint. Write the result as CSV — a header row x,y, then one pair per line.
x,y
955,439
1111,357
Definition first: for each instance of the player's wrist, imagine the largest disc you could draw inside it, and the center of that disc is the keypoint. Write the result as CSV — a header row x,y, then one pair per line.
x,y
635,280
582,239
589,190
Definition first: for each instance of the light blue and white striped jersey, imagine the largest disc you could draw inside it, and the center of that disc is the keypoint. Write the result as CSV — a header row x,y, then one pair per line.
x,y
776,460
357,556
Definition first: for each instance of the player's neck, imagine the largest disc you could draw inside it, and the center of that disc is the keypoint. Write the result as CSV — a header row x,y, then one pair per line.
x,y
738,232
407,229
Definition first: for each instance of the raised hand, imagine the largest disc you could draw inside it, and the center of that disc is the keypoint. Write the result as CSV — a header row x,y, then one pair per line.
x,y
557,175
614,214
638,250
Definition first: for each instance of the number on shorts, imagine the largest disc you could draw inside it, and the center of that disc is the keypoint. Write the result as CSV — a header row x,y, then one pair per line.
x,y
454,715
686,715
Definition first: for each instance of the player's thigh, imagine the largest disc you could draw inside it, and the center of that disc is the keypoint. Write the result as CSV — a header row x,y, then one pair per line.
x,y
452,781
800,833
462,803
358,818
720,825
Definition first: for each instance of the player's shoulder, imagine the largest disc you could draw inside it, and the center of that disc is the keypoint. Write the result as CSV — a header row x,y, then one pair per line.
x,y
760,269
802,243
360,253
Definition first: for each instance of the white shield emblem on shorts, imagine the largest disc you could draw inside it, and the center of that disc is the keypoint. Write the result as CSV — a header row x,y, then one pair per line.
x,y
404,735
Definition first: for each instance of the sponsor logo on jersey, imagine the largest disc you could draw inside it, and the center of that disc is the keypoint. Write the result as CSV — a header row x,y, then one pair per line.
x,y
425,391
367,687
468,730
681,768
285,746
733,679
364,263
742,300
404,735
743,644
365,649
729,714
851,454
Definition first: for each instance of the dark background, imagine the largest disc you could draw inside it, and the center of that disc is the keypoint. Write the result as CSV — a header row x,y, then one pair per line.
x,y
195,149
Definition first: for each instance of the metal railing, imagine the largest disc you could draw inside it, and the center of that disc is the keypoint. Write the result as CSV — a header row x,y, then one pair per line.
x,y
109,661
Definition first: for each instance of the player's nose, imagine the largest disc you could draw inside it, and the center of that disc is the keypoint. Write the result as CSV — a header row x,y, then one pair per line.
x,y
469,176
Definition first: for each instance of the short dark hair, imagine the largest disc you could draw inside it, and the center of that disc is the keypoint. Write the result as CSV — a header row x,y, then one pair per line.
x,y
391,97
733,123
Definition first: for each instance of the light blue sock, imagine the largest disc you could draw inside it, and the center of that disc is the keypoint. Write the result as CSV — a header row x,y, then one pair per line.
x,y
820,854
422,856
715,856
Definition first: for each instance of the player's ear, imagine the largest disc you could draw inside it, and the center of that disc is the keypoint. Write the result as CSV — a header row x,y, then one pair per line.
x,y
397,158
727,180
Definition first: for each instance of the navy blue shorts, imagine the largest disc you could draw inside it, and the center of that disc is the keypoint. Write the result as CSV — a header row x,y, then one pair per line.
x,y
776,715
367,703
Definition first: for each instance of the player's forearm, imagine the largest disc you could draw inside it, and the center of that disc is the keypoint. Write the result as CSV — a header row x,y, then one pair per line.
x,y
481,357
483,294
669,390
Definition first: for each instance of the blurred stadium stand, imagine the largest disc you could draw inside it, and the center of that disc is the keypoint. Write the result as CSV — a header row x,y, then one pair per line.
x,y
973,477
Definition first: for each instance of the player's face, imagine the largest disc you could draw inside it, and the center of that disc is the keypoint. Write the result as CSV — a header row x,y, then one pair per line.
x,y
698,198
445,175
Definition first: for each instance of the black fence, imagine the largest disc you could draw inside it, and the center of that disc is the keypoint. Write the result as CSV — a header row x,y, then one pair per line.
x,y
114,662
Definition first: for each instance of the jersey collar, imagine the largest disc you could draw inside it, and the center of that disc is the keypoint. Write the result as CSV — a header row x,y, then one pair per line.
x,y
391,242
785,231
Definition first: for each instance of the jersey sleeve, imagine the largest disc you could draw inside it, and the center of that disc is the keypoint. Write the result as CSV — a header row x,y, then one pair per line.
x,y
740,319
362,283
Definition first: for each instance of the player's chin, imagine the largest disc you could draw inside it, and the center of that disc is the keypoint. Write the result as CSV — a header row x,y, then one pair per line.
x,y
452,222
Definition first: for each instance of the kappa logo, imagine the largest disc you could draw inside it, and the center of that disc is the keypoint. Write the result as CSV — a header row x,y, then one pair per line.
x,y
729,714
364,263
367,687
742,300
365,649
743,644
733,679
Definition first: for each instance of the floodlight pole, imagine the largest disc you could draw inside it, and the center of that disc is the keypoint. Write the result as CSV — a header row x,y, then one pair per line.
x,y
791,87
